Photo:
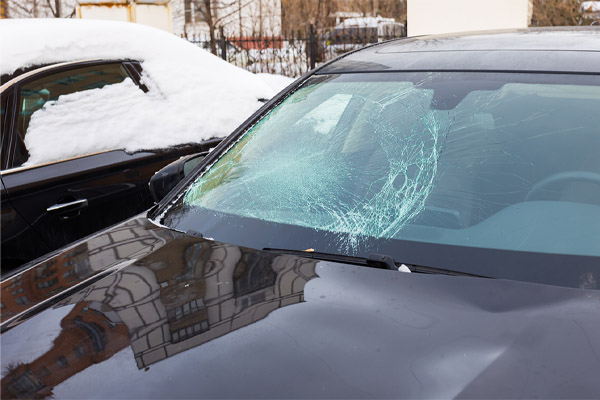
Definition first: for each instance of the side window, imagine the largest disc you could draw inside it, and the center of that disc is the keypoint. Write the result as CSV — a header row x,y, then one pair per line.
x,y
34,94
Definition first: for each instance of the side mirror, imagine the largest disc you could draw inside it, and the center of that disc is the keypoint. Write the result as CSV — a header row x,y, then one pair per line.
x,y
170,175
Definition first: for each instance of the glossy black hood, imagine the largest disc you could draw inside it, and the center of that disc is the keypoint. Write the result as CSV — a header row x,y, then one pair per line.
x,y
140,311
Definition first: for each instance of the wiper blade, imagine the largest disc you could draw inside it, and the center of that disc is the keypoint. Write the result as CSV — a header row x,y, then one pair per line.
x,y
375,260
380,261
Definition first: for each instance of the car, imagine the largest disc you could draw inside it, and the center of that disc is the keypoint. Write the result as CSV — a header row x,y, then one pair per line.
x,y
86,125
416,219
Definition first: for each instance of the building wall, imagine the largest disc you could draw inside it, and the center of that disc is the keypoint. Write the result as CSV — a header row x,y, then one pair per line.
x,y
444,16
153,13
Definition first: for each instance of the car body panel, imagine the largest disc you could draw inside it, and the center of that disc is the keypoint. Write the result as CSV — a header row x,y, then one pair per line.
x,y
575,50
145,305
115,185
111,185
17,236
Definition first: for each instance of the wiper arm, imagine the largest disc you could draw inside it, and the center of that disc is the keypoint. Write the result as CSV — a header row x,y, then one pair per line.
x,y
380,261
374,260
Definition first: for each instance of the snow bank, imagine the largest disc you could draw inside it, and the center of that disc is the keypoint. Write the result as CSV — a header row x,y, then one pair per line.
x,y
364,22
193,95
590,6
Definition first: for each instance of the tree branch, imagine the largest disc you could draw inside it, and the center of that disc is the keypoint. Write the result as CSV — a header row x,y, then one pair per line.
x,y
51,9
23,8
221,18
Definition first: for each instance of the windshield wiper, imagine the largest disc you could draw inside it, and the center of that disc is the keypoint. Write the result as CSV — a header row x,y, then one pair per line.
x,y
380,261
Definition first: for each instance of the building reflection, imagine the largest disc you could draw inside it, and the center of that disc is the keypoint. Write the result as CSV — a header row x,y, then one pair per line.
x,y
123,243
187,292
89,334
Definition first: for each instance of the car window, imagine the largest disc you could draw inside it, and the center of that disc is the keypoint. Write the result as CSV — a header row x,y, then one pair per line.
x,y
494,161
41,92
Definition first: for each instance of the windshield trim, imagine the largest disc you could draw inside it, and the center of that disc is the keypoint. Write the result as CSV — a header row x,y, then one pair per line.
x,y
565,270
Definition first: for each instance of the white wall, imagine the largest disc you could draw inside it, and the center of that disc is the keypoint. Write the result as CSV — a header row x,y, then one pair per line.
x,y
114,13
157,15
445,16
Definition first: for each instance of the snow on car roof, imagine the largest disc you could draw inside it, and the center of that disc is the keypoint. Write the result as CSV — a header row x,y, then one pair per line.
x,y
193,94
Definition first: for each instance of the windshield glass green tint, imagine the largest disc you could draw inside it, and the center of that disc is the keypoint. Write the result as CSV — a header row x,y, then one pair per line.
x,y
500,161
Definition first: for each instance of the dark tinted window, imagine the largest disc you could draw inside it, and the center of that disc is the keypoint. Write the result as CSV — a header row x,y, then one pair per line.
x,y
34,95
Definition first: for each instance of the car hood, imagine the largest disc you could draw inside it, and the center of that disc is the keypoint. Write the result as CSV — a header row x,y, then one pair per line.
x,y
141,311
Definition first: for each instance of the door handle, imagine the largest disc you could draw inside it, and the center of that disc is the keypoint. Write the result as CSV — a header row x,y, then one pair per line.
x,y
65,207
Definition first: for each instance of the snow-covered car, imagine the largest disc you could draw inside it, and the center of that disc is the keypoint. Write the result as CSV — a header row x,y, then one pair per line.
x,y
419,219
90,110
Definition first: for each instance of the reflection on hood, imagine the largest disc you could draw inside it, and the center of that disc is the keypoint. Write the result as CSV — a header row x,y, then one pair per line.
x,y
184,294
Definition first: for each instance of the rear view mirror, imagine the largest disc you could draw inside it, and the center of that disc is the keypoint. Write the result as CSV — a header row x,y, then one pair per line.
x,y
169,176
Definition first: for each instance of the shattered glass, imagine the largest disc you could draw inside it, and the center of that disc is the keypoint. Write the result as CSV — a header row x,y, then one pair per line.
x,y
345,166
436,157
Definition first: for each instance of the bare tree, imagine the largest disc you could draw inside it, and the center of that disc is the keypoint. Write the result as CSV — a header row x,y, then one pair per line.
x,y
298,14
214,13
556,12
38,8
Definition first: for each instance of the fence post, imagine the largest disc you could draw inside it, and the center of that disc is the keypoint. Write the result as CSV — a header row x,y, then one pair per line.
x,y
223,46
312,44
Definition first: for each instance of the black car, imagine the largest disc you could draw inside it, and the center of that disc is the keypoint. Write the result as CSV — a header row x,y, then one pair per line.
x,y
417,219
48,205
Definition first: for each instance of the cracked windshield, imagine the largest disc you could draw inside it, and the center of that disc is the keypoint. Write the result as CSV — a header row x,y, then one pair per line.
x,y
448,158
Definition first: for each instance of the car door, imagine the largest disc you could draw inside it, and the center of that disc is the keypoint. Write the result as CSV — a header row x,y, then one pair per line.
x,y
17,235
67,199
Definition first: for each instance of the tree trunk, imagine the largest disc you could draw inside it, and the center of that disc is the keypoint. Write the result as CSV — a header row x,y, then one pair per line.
x,y
58,7
260,16
210,20
187,12
240,34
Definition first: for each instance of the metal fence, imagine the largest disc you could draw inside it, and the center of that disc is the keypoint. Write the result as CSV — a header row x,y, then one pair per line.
x,y
292,54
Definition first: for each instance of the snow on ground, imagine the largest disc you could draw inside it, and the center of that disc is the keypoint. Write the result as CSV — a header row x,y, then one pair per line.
x,y
193,94
364,22
590,6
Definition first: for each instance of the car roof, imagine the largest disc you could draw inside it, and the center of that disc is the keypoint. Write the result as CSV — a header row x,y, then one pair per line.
x,y
568,49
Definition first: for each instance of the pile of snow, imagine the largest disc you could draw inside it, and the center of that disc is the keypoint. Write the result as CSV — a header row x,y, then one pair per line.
x,y
590,6
365,22
193,95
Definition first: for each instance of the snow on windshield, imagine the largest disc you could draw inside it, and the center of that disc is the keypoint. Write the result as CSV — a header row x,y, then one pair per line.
x,y
193,94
